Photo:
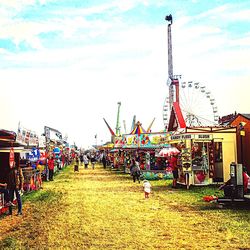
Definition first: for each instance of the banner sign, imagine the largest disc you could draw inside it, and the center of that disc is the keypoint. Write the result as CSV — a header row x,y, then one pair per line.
x,y
118,142
192,136
154,140
34,155
145,140
26,136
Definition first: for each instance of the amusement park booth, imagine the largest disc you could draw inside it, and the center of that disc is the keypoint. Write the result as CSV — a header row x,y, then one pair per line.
x,y
7,143
206,154
145,147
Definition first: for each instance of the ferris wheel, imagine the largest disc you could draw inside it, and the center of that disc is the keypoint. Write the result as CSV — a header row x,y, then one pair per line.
x,y
197,104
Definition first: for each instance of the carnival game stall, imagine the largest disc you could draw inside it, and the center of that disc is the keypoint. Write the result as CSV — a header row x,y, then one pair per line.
x,y
9,152
57,147
206,154
30,158
32,163
116,155
145,148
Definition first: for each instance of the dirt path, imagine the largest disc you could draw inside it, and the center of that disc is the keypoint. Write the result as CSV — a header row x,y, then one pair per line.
x,y
100,209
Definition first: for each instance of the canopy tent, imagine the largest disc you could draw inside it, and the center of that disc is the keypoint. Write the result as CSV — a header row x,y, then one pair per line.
x,y
138,129
166,152
8,138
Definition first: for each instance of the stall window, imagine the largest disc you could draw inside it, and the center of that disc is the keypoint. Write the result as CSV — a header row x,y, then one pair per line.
x,y
218,152
200,156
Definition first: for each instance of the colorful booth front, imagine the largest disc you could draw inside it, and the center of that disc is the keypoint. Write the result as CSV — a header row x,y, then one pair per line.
x,y
206,154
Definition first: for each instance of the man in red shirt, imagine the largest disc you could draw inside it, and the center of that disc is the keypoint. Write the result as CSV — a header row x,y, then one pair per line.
x,y
173,165
51,167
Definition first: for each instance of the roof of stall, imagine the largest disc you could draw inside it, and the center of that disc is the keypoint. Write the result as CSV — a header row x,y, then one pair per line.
x,y
7,138
138,129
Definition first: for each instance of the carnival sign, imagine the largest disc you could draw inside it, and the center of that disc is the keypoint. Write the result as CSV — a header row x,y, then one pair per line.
x,y
145,140
34,155
130,141
26,137
12,158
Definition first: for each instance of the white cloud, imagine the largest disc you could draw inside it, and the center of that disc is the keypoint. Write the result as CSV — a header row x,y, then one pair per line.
x,y
16,4
76,87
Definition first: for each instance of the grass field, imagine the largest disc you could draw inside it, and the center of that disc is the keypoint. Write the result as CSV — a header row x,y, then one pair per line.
x,y
102,209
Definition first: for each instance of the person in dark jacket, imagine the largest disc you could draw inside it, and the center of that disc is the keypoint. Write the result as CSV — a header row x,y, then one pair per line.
x,y
104,159
15,185
135,170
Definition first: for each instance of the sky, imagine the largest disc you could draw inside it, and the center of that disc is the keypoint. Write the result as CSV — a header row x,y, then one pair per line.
x,y
66,64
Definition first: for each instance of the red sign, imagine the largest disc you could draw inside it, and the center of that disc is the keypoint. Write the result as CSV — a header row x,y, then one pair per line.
x,y
12,158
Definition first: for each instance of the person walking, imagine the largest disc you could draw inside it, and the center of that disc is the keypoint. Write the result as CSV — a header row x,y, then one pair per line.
x,y
104,160
15,185
81,159
135,170
93,160
76,164
146,188
174,167
86,161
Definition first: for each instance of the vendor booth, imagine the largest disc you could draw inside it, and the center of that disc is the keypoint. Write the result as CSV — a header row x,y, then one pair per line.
x,y
9,152
30,158
205,154
144,147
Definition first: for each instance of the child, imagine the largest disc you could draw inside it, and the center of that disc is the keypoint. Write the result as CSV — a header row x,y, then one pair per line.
x,y
147,188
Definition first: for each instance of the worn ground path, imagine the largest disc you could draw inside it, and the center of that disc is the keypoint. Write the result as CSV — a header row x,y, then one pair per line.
x,y
101,209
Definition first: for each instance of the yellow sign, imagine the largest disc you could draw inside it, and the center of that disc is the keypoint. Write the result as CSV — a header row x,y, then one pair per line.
x,y
242,133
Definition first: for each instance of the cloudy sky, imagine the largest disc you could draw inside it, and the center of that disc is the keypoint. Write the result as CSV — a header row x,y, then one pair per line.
x,y
65,64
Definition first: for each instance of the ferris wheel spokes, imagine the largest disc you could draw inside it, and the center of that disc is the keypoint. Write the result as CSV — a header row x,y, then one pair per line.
x,y
197,104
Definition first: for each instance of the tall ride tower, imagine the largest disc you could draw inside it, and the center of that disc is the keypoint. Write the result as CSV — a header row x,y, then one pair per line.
x,y
118,127
176,119
173,81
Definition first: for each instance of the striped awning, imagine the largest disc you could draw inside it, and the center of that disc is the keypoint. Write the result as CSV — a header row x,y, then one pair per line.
x,y
138,129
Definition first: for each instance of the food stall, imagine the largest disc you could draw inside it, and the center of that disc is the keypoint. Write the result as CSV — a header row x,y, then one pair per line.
x,y
206,154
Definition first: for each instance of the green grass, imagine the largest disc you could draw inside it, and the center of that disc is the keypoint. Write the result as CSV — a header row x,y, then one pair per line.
x,y
103,209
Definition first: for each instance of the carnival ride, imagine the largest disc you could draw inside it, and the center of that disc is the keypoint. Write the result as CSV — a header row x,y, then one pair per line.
x,y
197,104
194,102
118,127
133,122
150,125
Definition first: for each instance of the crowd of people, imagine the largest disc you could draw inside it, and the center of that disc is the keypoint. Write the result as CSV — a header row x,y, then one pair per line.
x,y
13,185
90,158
